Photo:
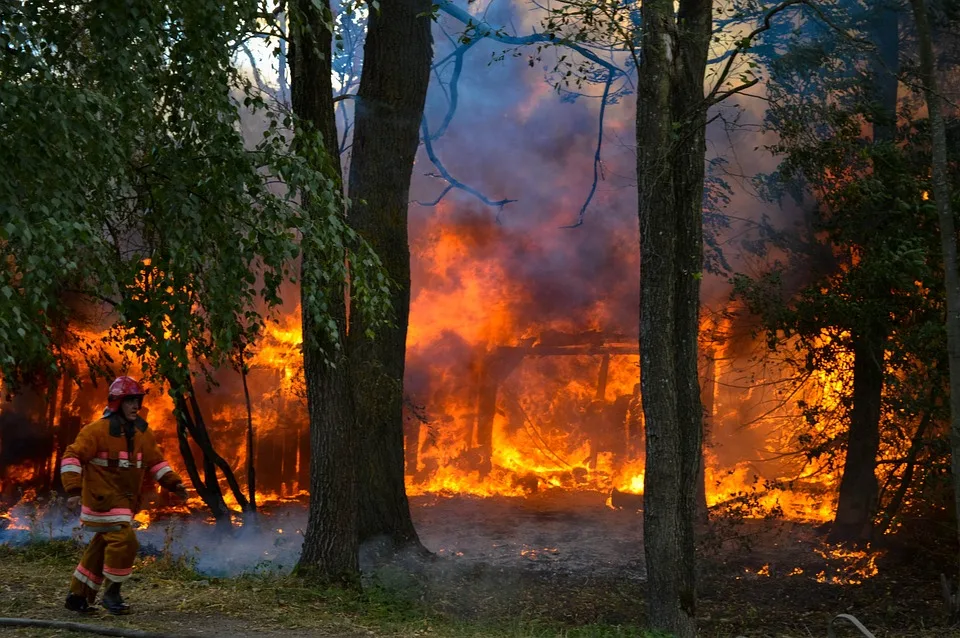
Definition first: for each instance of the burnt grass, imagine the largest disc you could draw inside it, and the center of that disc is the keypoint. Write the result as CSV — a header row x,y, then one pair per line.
x,y
757,578
749,585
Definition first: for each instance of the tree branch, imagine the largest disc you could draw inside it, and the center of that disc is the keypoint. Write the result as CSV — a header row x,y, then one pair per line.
x,y
714,96
596,156
480,29
256,72
451,180
454,93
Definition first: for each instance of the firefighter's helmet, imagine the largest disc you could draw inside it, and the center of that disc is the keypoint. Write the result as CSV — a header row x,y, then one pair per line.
x,y
120,389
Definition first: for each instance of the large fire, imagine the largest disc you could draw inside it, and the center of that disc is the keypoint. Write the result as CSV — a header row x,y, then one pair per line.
x,y
499,405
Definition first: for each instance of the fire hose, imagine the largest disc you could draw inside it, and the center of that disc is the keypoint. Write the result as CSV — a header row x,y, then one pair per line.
x,y
831,628
83,627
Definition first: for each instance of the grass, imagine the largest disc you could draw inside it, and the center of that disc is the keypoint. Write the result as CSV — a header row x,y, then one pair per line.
x,y
169,595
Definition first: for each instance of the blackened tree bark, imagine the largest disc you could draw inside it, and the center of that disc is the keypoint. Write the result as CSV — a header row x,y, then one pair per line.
x,y
251,439
191,425
207,487
948,237
389,107
671,122
857,500
330,544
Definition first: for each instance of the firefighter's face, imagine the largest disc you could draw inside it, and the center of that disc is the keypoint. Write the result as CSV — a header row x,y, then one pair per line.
x,y
129,407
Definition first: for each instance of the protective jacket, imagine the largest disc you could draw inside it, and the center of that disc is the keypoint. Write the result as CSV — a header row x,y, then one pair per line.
x,y
106,465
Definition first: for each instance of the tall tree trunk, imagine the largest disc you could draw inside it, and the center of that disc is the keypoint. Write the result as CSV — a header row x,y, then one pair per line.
x,y
857,500
670,169
330,544
393,88
948,240
251,466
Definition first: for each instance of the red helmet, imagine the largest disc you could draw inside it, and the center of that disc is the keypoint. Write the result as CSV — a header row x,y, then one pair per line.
x,y
120,389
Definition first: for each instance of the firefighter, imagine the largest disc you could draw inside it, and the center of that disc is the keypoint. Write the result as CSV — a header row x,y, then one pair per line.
x,y
103,472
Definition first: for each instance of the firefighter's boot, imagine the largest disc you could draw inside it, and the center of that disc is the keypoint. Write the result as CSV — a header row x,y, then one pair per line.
x,y
113,602
79,604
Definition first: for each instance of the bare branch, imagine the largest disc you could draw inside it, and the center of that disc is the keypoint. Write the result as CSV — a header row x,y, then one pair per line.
x,y
451,180
720,97
256,72
443,193
478,30
714,96
596,156
454,93
482,29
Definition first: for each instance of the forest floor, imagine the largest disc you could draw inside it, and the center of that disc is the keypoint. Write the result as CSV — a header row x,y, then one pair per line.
x,y
736,600
758,578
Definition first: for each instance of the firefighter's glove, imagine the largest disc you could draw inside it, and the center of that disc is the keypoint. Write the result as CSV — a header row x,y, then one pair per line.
x,y
73,502
180,491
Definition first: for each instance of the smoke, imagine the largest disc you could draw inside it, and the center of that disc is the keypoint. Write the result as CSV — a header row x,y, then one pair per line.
x,y
566,536
22,439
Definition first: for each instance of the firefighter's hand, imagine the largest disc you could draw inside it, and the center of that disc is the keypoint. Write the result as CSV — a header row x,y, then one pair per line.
x,y
73,502
180,491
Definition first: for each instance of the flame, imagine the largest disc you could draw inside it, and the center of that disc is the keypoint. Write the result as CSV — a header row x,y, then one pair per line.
x,y
553,426
510,404
847,566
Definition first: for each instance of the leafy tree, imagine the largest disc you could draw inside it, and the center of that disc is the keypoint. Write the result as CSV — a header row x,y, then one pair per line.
x,y
942,198
854,295
126,182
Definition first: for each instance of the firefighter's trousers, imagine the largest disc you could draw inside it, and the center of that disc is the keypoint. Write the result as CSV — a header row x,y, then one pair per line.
x,y
109,555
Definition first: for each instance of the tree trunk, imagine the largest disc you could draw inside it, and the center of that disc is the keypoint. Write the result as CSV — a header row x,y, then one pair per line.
x,y
948,239
857,501
207,488
330,544
393,88
251,466
670,169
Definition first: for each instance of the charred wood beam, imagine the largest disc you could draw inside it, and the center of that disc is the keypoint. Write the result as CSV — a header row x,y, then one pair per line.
x,y
495,369
602,377
553,351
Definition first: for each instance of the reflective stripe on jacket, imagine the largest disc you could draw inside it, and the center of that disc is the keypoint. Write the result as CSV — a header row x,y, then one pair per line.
x,y
106,465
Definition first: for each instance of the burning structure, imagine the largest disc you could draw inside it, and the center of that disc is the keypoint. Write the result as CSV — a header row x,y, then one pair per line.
x,y
557,411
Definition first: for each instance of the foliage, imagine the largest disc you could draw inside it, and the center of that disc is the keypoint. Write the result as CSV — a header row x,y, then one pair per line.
x,y
865,257
126,182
